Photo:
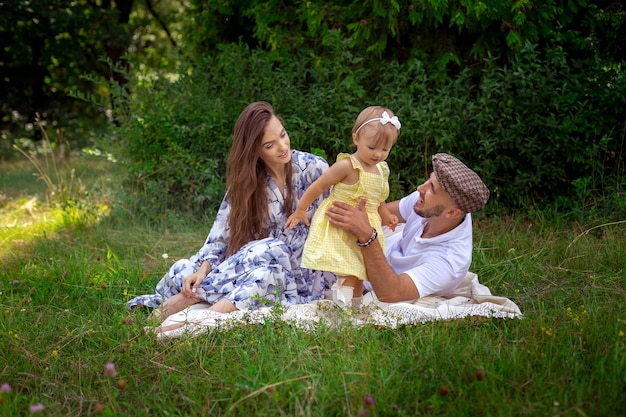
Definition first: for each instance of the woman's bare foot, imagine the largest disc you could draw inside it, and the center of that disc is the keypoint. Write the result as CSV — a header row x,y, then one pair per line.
x,y
163,329
222,306
172,305
155,316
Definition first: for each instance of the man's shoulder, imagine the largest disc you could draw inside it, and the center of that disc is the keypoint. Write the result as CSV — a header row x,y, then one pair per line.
x,y
461,233
464,229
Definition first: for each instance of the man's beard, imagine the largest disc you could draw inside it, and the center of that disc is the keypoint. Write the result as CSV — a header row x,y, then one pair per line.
x,y
432,212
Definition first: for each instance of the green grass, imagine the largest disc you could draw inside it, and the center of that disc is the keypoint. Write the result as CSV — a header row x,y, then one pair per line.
x,y
70,262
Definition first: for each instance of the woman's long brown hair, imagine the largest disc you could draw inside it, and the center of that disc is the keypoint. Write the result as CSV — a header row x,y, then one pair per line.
x,y
246,178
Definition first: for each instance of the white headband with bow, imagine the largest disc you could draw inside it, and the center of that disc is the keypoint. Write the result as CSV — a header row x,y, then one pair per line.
x,y
384,119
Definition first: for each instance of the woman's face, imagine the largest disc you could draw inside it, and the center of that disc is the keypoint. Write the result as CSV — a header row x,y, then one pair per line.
x,y
275,145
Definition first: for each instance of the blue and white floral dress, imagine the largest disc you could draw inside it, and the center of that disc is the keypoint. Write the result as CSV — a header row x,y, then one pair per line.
x,y
266,270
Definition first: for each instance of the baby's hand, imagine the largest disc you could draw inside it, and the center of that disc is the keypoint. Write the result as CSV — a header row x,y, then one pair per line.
x,y
295,218
391,221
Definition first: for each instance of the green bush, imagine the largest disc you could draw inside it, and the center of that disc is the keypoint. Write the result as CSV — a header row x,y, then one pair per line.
x,y
536,127
536,130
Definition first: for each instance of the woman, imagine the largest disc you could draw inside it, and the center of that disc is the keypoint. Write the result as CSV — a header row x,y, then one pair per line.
x,y
250,257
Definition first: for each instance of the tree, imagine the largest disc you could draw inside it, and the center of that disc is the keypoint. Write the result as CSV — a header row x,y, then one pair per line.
x,y
446,35
51,47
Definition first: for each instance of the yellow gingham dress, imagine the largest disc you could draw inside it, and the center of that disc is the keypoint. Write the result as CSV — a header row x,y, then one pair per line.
x,y
329,248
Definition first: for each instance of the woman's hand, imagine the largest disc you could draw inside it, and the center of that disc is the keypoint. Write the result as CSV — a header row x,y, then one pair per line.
x,y
193,281
297,217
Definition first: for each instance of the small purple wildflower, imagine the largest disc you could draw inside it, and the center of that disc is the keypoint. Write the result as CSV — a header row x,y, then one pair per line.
x,y
36,408
5,388
109,369
363,412
369,400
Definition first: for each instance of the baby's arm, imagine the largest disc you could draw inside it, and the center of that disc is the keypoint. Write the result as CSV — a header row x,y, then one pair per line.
x,y
387,217
336,173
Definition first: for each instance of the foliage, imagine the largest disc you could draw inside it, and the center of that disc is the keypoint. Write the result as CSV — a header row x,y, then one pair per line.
x,y
66,278
51,49
528,94
176,135
534,119
48,162
535,126
446,36
535,129
47,47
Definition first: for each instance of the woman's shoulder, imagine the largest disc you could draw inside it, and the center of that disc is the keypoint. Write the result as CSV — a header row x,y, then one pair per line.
x,y
305,160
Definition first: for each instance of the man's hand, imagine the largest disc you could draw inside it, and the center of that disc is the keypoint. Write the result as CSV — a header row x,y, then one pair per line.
x,y
388,286
353,220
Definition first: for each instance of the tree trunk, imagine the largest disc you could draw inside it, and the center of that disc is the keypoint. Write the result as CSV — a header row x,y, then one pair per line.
x,y
116,47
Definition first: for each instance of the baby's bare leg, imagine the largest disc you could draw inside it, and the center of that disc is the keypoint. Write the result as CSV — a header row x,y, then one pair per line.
x,y
349,281
354,282
358,289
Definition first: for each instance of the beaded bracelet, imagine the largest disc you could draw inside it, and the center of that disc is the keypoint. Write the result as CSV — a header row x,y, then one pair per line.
x,y
369,242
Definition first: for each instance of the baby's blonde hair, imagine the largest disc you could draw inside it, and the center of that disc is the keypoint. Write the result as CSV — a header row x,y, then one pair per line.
x,y
386,134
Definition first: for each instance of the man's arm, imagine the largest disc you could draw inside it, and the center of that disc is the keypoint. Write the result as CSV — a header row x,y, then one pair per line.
x,y
388,286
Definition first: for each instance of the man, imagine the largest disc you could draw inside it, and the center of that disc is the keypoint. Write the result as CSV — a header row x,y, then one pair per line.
x,y
433,253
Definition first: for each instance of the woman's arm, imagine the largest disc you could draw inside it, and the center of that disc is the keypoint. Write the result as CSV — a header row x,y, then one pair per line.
x,y
215,246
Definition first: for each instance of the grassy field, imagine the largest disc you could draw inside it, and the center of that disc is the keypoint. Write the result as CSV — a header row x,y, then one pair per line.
x,y
72,254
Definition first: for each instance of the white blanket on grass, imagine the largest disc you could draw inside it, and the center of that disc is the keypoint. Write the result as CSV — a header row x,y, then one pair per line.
x,y
470,299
